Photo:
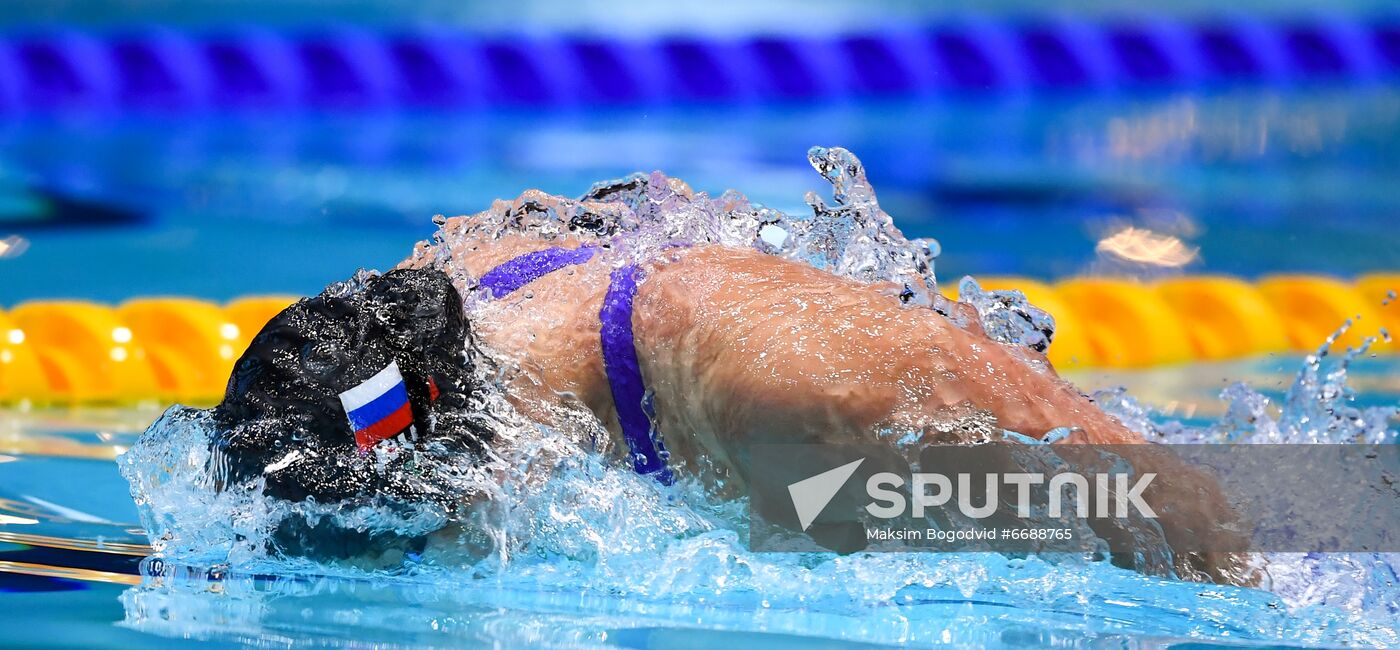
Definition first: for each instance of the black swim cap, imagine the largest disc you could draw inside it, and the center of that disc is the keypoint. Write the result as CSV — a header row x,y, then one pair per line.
x,y
282,418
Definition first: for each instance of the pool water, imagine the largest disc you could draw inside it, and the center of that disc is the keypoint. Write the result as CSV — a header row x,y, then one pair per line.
x,y
223,206
75,511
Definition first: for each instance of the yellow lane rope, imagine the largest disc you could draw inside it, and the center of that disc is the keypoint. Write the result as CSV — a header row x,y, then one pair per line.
x,y
182,349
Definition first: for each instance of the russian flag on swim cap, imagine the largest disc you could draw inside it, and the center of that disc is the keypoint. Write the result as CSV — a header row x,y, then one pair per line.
x,y
378,408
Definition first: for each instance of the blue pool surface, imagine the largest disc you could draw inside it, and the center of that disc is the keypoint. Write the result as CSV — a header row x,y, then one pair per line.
x,y
1260,181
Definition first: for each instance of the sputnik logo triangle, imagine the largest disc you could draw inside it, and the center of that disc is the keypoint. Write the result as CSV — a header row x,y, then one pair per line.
x,y
811,495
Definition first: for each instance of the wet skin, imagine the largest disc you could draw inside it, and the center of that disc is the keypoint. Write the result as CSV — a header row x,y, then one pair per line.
x,y
742,347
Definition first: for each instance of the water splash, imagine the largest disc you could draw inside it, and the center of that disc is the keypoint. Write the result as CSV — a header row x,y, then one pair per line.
x,y
563,518
1319,407
1008,317
853,237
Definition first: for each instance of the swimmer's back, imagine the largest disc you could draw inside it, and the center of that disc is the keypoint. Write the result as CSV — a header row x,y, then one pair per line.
x,y
545,334
741,347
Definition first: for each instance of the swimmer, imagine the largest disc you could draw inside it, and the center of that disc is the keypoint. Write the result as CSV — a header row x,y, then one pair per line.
x,y
712,347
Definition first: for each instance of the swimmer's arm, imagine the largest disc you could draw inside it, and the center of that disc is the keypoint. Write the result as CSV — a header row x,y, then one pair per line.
x,y
786,352
1024,398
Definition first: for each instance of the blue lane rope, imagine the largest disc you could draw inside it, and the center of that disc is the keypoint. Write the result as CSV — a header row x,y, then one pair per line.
x,y
354,68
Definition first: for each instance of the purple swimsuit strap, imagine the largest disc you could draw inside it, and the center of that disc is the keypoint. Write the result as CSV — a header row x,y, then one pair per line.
x,y
520,271
635,413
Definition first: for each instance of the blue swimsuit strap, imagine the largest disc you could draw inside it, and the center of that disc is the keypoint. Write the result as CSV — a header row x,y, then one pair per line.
x,y
620,362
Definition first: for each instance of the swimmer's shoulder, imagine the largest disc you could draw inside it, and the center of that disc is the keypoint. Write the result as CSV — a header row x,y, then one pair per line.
x,y
478,254
703,282
745,266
